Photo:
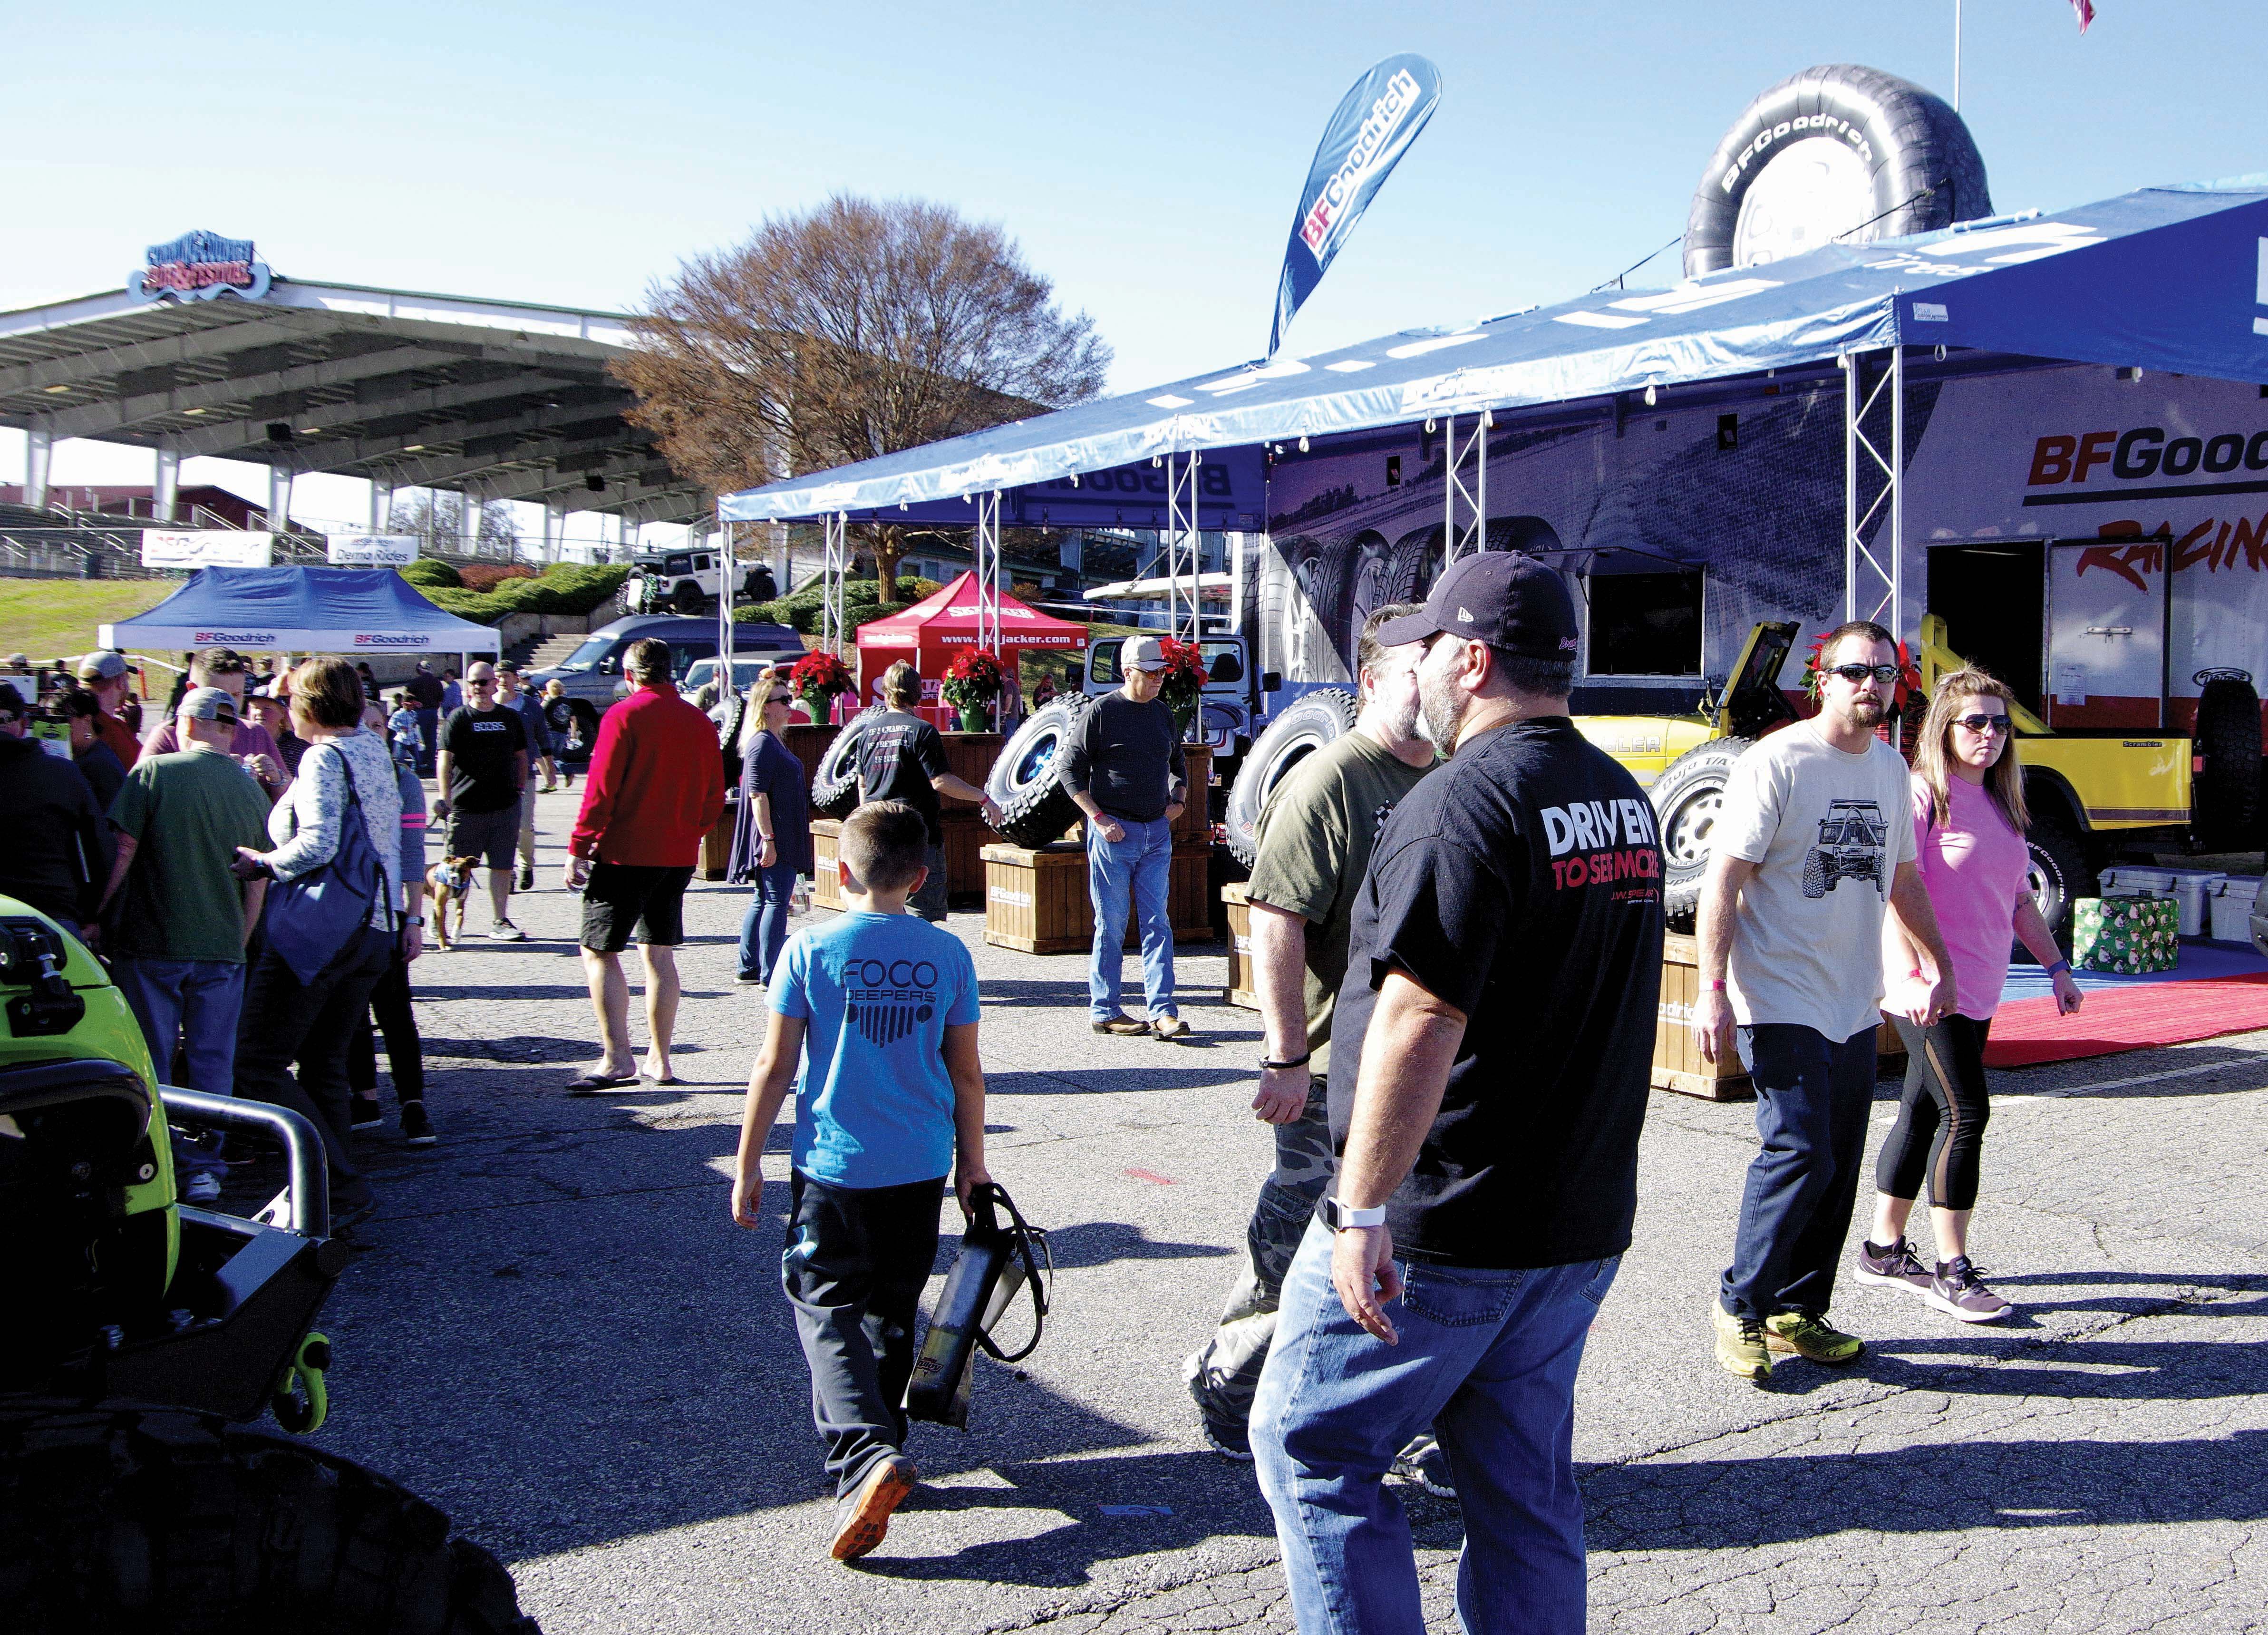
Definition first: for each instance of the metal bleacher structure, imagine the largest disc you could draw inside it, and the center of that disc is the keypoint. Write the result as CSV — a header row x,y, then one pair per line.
x,y
491,400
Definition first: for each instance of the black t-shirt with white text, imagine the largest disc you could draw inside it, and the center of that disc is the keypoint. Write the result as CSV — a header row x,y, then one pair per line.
x,y
484,776
1521,883
898,754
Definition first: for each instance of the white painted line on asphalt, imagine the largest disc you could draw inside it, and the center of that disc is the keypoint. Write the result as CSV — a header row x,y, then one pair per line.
x,y
2121,1083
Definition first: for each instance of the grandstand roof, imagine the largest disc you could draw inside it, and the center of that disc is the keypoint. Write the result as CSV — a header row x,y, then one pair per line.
x,y
503,400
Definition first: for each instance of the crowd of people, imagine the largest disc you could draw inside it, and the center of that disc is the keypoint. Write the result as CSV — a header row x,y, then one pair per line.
x,y
1456,943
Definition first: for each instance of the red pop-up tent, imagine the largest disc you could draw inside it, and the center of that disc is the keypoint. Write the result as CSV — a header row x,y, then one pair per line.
x,y
930,632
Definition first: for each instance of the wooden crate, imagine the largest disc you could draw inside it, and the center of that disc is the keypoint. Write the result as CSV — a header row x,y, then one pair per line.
x,y
826,884
966,836
809,743
969,756
1036,900
717,844
1677,1063
1239,990
1195,821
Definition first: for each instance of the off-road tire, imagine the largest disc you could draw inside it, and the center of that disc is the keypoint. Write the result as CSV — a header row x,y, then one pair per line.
x,y
171,1523
1922,164
1299,730
2225,805
1027,777
687,600
1685,798
835,784
2060,875
1814,873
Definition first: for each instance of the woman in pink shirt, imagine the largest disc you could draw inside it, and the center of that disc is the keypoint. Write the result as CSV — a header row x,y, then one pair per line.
x,y
1969,824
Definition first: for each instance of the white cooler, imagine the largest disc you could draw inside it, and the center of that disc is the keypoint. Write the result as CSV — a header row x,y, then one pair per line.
x,y
2233,906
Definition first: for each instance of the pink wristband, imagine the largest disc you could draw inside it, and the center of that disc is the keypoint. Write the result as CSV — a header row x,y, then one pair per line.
x,y
1714,987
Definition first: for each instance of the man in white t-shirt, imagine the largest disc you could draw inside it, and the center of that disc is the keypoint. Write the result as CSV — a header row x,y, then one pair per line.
x,y
1813,840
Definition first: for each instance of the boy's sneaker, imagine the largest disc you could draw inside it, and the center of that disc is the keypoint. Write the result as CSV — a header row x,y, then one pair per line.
x,y
366,1112
505,930
1170,1028
1740,1346
1807,1334
1958,1292
417,1129
1893,1267
202,1188
863,1515
1123,1026
1424,1464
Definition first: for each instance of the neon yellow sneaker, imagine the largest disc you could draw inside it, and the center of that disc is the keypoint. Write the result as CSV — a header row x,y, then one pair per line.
x,y
1807,1334
1740,1347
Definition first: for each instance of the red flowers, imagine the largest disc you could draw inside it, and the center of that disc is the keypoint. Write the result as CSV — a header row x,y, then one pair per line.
x,y
974,679
817,677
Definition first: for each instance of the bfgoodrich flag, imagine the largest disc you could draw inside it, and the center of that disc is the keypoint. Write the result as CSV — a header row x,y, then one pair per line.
x,y
1373,127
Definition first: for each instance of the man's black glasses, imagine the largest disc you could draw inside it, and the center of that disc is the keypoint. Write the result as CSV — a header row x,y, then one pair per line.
x,y
1855,674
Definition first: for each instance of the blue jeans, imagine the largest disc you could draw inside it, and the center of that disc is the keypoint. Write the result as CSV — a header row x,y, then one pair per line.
x,y
1488,1359
1133,871
1813,1096
763,928
196,1002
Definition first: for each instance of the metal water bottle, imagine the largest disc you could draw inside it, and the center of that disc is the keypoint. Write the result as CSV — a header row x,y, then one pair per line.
x,y
985,1277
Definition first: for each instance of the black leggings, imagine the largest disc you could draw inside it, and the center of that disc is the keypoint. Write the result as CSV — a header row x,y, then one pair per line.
x,y
1942,1116
405,1052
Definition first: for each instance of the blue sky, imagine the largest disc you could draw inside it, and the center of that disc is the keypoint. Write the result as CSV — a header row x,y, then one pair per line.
x,y
1147,158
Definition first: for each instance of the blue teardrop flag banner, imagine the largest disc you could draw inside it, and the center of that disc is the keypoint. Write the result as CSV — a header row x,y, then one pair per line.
x,y
1372,128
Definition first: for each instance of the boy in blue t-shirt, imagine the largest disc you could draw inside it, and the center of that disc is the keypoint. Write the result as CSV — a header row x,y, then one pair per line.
x,y
881,1007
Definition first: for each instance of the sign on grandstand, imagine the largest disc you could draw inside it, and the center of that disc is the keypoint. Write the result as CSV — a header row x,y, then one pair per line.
x,y
199,267
207,548
373,550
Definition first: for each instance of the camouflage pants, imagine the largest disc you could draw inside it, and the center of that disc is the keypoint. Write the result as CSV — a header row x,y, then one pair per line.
x,y
1225,1373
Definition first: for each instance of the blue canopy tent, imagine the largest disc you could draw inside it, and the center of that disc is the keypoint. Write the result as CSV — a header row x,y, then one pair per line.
x,y
355,611
2171,278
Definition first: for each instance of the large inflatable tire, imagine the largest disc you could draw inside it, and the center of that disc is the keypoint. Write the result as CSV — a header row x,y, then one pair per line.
x,y
160,1520
1301,729
1027,778
2225,806
1686,798
835,784
1891,156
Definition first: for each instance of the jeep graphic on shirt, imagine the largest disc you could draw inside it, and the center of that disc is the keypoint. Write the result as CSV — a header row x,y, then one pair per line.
x,y
1852,837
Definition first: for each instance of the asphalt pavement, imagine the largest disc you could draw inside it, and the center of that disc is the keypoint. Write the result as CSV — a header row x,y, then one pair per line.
x,y
552,1329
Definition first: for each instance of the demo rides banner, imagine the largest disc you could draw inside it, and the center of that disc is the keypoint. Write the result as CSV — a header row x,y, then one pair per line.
x,y
1373,127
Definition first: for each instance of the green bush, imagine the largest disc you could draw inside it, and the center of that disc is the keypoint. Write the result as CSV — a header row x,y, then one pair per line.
x,y
563,588
426,572
861,601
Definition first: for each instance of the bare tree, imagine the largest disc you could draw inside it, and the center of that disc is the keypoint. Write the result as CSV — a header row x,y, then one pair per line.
x,y
858,328
439,515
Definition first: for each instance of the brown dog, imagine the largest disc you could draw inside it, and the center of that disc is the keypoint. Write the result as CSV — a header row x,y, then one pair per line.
x,y
447,880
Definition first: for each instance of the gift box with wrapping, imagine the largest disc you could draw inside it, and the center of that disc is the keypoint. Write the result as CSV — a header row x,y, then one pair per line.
x,y
2125,935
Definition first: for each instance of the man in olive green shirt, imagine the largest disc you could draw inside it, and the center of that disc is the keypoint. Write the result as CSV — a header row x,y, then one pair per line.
x,y
1315,837
176,919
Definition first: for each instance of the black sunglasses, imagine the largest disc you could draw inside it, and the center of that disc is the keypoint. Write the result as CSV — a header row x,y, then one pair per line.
x,y
1856,674
1982,723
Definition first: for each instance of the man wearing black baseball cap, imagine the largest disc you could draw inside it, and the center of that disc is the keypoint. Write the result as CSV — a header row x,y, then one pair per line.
x,y
1489,1076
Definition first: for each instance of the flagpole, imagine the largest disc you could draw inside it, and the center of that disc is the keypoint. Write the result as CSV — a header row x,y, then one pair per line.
x,y
1956,55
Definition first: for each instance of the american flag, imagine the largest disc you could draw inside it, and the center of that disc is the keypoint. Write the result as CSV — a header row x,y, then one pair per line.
x,y
2085,9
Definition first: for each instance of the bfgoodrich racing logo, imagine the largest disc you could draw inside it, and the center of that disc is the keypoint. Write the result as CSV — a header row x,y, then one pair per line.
x,y
235,638
393,641
2067,459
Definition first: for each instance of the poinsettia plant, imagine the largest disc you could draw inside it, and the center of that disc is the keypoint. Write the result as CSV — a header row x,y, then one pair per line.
x,y
818,677
974,679
1185,675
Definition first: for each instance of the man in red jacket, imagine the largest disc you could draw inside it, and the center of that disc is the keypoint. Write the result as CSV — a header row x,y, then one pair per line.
x,y
657,785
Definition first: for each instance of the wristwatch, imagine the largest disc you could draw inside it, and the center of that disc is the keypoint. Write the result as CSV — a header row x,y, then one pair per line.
x,y
1338,1216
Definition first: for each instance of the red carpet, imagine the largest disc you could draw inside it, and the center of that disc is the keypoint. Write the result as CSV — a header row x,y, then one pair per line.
x,y
2028,1032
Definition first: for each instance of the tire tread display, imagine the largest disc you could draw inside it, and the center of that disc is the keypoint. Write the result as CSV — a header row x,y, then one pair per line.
x,y
1685,801
176,1523
1026,776
835,784
1299,730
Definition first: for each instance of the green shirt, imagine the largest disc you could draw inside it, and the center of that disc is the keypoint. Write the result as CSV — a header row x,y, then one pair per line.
x,y
1314,837
187,813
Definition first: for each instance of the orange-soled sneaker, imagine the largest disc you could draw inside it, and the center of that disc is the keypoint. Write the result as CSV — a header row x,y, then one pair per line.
x,y
862,1516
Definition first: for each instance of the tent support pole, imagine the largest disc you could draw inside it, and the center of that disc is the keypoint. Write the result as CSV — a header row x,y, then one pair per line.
x,y
987,553
830,584
1183,543
1456,540
1873,574
727,577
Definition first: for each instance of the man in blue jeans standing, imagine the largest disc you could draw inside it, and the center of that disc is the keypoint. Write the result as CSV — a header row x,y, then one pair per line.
x,y
1489,1078
1123,767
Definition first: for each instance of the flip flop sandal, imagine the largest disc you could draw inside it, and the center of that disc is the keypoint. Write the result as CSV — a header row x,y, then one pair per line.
x,y
591,1084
